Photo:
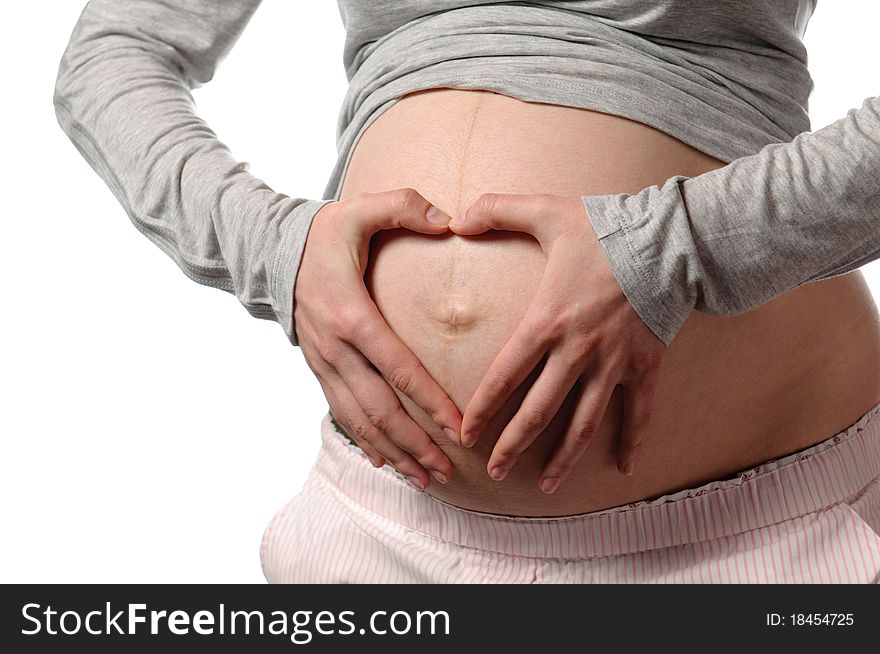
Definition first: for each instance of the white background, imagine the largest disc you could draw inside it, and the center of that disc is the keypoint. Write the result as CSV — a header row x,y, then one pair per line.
x,y
150,427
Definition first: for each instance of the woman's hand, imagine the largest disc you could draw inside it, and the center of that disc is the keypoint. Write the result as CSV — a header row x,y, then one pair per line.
x,y
581,320
352,350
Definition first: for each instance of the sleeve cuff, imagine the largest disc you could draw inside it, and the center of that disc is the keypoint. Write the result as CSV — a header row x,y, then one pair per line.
x,y
633,249
286,263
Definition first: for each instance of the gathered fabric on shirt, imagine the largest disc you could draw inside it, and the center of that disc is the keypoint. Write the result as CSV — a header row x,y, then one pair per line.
x,y
726,77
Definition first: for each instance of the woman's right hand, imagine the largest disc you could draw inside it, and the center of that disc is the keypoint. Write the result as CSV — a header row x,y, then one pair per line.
x,y
356,356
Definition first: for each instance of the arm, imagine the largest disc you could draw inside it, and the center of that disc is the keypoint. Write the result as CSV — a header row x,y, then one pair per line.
x,y
722,242
728,240
123,97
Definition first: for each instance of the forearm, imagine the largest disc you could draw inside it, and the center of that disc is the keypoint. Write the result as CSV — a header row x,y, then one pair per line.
x,y
728,240
123,97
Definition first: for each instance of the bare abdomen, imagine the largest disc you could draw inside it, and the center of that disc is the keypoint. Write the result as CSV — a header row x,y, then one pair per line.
x,y
733,391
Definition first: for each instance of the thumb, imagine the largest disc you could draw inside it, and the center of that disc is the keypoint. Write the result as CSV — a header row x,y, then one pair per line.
x,y
527,213
400,208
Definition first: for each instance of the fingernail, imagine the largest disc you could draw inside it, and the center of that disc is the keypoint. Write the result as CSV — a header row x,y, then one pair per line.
x,y
550,484
628,468
468,440
439,476
498,473
451,435
458,219
415,481
377,463
436,217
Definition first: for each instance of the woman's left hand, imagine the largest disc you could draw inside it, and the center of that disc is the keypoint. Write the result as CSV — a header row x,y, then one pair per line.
x,y
582,321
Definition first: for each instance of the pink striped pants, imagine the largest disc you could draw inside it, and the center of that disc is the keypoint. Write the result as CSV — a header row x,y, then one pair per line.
x,y
809,517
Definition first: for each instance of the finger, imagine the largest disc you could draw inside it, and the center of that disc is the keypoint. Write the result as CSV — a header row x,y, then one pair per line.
x,y
382,408
516,360
375,458
375,340
507,211
401,208
367,437
638,399
337,410
591,404
328,378
541,404
364,431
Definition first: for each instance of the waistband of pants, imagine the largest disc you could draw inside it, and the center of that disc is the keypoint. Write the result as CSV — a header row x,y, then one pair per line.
x,y
775,491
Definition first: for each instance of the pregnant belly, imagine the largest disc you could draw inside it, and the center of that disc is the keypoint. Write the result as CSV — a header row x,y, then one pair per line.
x,y
733,391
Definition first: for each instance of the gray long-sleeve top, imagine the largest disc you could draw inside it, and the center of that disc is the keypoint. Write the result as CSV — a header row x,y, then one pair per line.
x,y
728,77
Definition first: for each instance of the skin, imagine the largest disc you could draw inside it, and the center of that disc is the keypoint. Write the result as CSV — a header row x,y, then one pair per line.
x,y
732,391
594,337
355,355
